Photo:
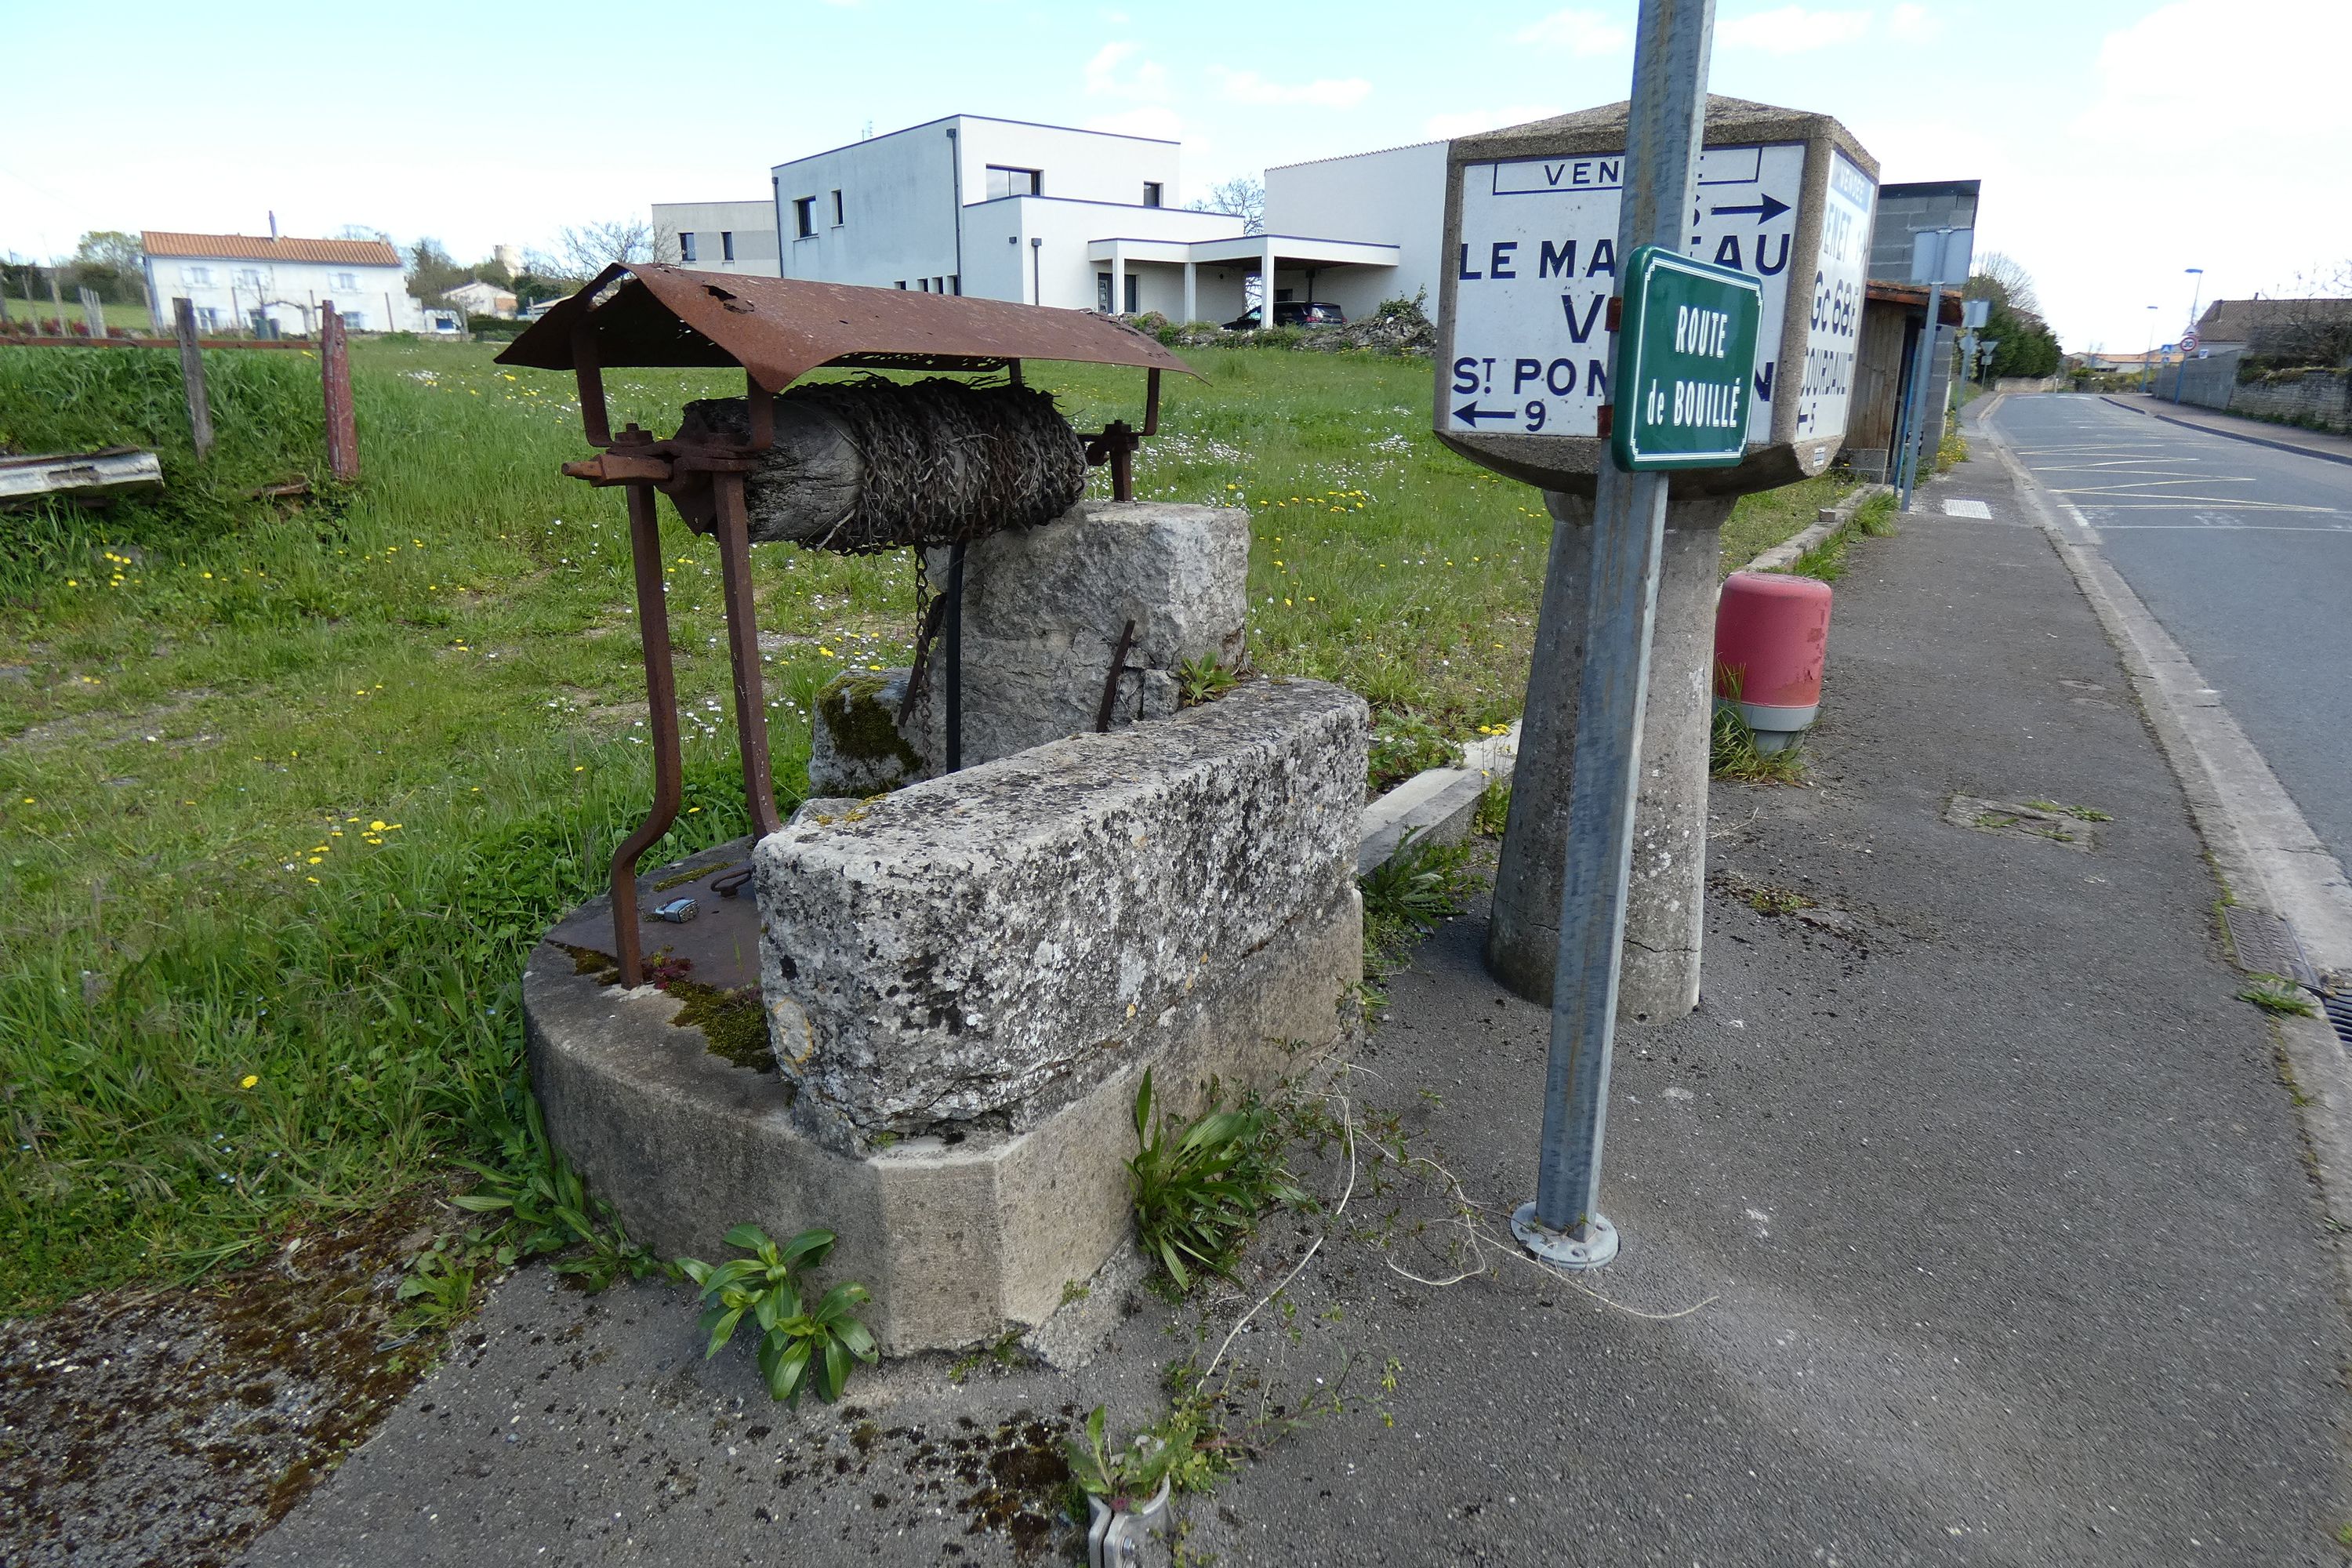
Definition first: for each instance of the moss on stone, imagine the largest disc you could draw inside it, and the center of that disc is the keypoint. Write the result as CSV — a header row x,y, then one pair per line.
x,y
734,1023
863,727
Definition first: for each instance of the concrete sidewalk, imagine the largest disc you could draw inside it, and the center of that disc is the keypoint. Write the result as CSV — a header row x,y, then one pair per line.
x,y
1967,1221
2261,432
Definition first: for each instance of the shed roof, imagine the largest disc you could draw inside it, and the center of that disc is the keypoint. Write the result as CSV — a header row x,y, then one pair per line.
x,y
780,329
263,247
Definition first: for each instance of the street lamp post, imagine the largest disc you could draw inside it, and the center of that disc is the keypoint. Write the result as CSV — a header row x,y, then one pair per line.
x,y
2197,292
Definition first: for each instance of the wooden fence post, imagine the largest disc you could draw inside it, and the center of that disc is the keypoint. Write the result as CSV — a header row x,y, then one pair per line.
x,y
192,376
335,372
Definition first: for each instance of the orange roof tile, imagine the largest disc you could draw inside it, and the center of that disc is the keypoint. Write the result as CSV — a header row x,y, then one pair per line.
x,y
261,248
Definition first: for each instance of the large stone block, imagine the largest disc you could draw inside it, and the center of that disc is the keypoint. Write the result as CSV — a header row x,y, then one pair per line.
x,y
858,747
975,951
1043,609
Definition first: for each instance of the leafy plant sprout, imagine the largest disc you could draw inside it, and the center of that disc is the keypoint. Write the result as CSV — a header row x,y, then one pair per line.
x,y
800,1348
1198,1189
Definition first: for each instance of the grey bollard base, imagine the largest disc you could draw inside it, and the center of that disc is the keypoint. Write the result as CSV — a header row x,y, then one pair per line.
x,y
1665,902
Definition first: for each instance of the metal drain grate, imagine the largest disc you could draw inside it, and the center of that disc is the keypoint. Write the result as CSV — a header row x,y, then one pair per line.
x,y
2266,944
2339,1012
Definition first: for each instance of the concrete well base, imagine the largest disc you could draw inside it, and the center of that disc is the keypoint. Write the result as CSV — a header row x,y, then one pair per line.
x,y
958,1242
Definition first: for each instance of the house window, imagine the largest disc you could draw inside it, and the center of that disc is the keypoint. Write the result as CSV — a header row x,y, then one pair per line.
x,y
1008,182
1102,292
1134,295
836,209
347,279
196,276
955,283
726,245
249,277
902,282
685,245
1151,193
804,216
923,284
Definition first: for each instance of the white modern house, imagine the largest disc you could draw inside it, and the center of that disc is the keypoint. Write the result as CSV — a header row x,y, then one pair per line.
x,y
718,236
235,280
1395,198
1049,215
476,298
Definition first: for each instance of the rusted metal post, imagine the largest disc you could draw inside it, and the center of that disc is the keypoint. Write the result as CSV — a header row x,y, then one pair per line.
x,y
192,377
335,372
743,651
661,700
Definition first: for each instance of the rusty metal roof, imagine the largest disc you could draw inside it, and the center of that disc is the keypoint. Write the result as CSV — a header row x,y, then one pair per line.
x,y
779,329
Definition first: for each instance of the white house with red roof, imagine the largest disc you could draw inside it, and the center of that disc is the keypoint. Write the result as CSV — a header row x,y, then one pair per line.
x,y
235,280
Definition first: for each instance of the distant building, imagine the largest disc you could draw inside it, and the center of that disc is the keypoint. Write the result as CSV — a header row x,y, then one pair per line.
x,y
2275,327
1394,197
1906,209
236,281
717,237
1039,213
481,298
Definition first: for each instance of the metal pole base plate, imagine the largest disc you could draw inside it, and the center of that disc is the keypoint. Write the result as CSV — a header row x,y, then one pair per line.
x,y
1560,1247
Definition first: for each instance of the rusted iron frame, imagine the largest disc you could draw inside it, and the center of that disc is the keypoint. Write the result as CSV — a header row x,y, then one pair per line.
x,y
661,700
1118,442
1110,681
954,640
642,465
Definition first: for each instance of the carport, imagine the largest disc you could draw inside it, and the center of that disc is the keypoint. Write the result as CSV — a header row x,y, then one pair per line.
x,y
1362,274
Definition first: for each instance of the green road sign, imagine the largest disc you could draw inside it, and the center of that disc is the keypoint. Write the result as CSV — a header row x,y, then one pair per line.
x,y
1686,364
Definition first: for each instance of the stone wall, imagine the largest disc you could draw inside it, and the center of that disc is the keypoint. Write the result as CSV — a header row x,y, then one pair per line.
x,y
972,952
2298,397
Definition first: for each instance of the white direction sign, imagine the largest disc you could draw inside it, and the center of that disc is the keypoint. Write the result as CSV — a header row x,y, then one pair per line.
x,y
1538,263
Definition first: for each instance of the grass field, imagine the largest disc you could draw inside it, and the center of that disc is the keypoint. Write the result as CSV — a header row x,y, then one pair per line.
x,y
288,789
133,317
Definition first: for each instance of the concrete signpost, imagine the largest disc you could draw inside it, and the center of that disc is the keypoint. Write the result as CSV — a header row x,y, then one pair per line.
x,y
1524,379
1939,256
1725,245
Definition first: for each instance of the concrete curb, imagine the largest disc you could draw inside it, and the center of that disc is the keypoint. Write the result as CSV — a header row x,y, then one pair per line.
x,y
2263,853
1436,805
2249,438
1832,519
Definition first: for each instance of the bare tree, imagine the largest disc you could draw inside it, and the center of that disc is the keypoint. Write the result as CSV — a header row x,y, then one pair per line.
x,y
2314,327
588,248
1243,196
2001,277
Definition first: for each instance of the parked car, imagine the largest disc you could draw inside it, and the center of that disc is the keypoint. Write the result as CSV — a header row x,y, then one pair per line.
x,y
1292,313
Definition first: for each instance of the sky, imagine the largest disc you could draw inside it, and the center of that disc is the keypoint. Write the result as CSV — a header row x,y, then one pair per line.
x,y
2120,141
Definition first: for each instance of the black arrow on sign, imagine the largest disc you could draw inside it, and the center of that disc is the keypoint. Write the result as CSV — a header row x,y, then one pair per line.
x,y
1472,413
1766,210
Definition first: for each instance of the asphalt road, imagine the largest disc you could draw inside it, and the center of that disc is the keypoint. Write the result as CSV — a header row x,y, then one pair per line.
x,y
2245,555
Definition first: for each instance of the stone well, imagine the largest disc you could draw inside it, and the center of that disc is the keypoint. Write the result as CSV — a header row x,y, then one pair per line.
x,y
964,981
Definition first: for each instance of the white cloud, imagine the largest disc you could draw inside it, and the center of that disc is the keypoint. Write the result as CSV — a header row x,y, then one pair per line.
x,y
1147,83
2291,52
1155,120
1792,30
1446,127
1913,24
1248,87
1581,33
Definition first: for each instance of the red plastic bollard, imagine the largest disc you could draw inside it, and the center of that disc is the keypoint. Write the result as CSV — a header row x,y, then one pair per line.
x,y
1771,637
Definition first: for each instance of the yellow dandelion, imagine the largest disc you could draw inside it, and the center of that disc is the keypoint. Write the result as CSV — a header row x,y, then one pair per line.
x,y
249,1080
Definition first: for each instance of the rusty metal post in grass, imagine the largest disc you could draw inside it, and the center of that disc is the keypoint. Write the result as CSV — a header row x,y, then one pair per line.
x,y
335,372
192,377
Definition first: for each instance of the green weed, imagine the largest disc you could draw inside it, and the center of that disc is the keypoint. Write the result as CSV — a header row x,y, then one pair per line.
x,y
2276,995
1732,751
1198,1189
801,1347
1494,810
1201,681
1407,895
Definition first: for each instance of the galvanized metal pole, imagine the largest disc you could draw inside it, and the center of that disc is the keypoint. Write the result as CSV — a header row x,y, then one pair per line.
x,y
1663,129
1915,406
